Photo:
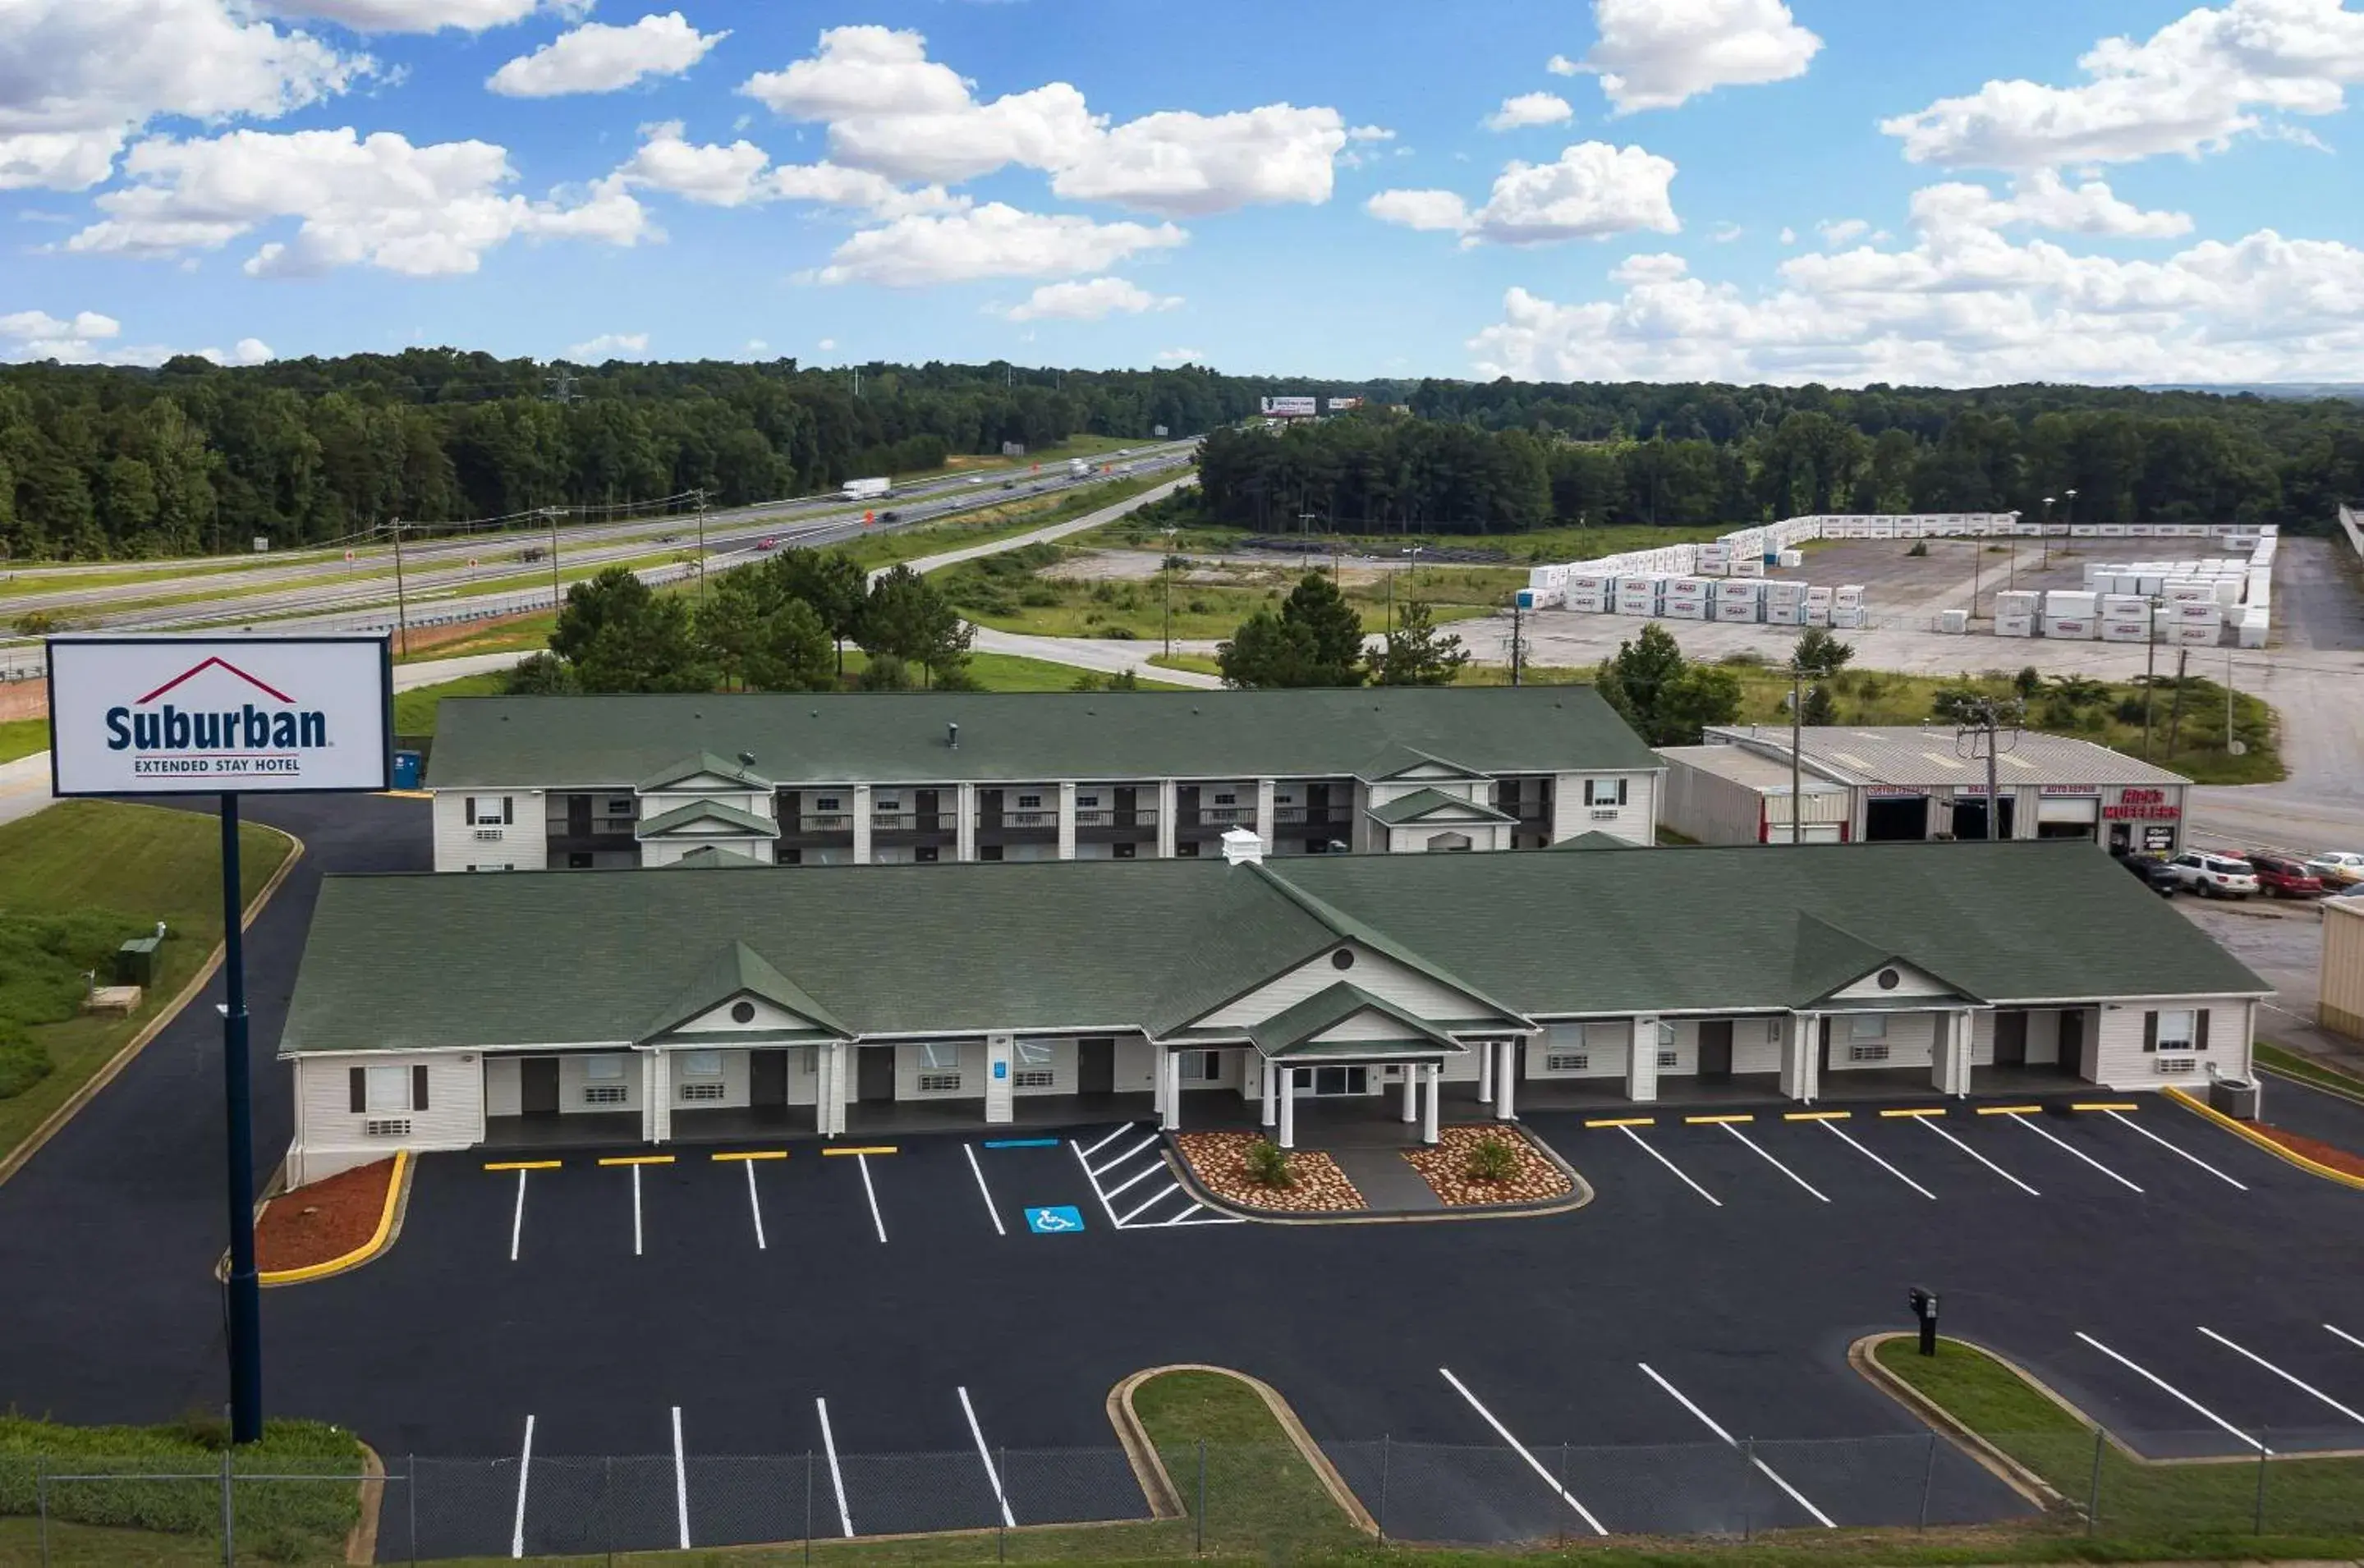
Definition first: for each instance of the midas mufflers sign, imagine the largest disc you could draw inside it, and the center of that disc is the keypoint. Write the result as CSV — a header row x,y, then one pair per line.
x,y
201,715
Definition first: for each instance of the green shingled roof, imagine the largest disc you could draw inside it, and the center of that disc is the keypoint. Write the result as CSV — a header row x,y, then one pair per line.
x,y
425,961
1291,1033
903,737
705,764
709,818
1434,804
735,972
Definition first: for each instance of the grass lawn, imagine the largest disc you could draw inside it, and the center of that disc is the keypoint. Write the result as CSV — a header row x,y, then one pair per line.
x,y
989,524
2310,1507
1010,672
1541,546
145,862
510,634
22,738
414,710
2306,1067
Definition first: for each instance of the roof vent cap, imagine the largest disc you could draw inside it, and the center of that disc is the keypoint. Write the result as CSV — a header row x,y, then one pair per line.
x,y
746,759
951,736
1241,847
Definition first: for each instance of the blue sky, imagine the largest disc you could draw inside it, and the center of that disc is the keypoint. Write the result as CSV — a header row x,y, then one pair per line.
x,y
1742,189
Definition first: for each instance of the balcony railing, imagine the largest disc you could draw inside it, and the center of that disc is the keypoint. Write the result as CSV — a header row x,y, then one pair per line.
x,y
1310,817
1102,816
822,822
911,821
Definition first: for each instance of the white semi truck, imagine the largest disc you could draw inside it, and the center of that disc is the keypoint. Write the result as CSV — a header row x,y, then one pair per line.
x,y
867,489
1077,467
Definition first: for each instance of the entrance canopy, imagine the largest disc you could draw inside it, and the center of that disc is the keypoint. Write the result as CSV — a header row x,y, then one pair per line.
x,y
1346,1023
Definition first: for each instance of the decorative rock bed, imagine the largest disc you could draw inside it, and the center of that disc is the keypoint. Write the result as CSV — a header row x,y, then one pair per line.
x,y
1445,1168
324,1221
1218,1160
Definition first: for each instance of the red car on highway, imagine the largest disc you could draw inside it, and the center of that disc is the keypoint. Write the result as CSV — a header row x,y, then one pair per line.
x,y
2282,877
767,542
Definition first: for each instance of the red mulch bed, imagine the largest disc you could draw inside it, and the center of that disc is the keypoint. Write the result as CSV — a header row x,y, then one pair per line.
x,y
1445,1168
323,1221
1219,1161
2320,1152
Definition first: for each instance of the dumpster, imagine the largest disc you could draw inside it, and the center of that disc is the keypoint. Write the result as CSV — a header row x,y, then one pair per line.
x,y
135,962
2235,1097
405,770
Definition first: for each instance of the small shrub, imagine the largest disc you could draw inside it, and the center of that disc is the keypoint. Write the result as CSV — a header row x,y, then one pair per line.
x,y
1199,607
1267,1164
1040,598
1744,659
1492,1160
1920,547
1870,687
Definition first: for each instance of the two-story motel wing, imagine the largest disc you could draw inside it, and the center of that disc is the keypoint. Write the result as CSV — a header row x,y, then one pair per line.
x,y
594,783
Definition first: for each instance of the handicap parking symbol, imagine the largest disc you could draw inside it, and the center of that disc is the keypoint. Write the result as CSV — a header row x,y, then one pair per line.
x,y
1056,1222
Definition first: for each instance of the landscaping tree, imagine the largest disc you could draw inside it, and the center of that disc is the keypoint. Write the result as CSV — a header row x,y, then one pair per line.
x,y
1268,651
905,617
831,583
620,637
1337,630
1819,706
731,622
543,675
1820,655
1315,641
792,653
1664,696
1416,653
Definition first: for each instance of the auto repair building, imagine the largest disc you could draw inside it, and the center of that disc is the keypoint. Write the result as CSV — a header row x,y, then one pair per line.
x,y
1905,783
599,783
710,1001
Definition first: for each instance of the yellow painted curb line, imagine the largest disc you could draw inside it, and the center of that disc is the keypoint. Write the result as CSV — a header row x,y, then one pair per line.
x,y
15,1160
2313,1167
874,1149
396,1187
1625,1121
2009,1110
523,1165
2104,1105
407,794
1818,1116
1718,1120
637,1160
1917,1110
754,1154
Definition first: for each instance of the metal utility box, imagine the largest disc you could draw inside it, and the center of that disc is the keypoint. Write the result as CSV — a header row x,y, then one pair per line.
x,y
135,962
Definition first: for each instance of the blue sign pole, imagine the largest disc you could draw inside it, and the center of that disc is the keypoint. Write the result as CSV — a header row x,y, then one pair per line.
x,y
245,1299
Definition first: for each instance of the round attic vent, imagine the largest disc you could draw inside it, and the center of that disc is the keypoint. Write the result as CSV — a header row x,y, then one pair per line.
x,y
1342,959
1889,978
742,1012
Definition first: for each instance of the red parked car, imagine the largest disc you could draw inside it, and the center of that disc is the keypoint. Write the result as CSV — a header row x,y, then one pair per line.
x,y
2280,877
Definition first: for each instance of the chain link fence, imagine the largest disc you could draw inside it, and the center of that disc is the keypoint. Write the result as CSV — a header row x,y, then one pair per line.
x,y
2169,1488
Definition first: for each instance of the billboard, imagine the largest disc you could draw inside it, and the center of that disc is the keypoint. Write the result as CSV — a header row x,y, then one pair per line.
x,y
1343,404
1290,407
216,715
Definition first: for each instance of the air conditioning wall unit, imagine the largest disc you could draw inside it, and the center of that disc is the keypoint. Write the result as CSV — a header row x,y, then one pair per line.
x,y
1604,814
490,835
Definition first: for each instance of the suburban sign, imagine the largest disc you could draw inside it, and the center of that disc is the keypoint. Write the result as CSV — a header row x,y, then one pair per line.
x,y
206,715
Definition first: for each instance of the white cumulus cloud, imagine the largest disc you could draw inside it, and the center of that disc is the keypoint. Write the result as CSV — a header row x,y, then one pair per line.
x,y
1657,54
377,200
597,58
2044,200
1531,109
2194,86
1090,299
1561,65
78,78
1837,231
1180,356
743,174
611,345
995,240
1593,191
421,15
87,338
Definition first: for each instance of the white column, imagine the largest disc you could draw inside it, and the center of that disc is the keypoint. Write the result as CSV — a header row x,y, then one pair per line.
x,y
1486,1073
1068,821
1000,1093
1288,1107
1568,794
1270,1072
965,825
1642,1061
1945,1044
1434,1072
1157,1082
1411,1091
862,825
1801,1058
658,1120
1506,1080
1264,813
829,1107
1962,1024
1171,1066
1166,797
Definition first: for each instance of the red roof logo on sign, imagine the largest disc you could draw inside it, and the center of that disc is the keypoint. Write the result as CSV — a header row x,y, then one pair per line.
x,y
215,662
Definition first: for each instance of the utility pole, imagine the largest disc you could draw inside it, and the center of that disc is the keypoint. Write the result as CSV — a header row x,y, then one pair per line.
x,y
552,513
2151,667
1169,593
1797,752
701,548
2232,747
401,606
2175,709
1518,647
1981,727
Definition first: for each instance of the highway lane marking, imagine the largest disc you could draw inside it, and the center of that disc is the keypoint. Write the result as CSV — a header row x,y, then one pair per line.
x,y
525,1465
680,1482
1670,1165
2077,1151
2172,1391
2172,1149
754,1203
1520,1449
1772,1162
516,1220
984,1191
836,1476
1841,1133
872,1193
985,1455
1981,1158
2290,1378
1709,1422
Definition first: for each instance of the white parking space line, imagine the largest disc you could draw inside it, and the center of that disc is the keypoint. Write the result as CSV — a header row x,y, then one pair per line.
x,y
517,1221
2121,1118
2172,1391
836,1476
754,1203
1106,1207
1144,1146
1770,1161
525,1468
984,1191
1931,1124
1197,1213
1832,1129
2027,1120
680,1482
1644,1145
1521,1449
872,1194
2294,1381
1709,1422
2344,1335
1104,1142
1142,1175
636,1211
985,1455
1171,1189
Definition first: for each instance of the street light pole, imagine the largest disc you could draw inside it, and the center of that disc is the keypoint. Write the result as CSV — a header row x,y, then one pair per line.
x,y
701,548
552,513
401,604
1169,593
2043,532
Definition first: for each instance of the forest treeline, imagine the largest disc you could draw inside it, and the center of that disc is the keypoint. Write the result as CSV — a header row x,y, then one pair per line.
x,y
192,457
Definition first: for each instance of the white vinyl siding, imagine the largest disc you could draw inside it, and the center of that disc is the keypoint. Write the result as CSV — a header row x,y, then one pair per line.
x,y
2114,1051
949,1069
1635,821
1602,1045
1381,976
521,844
336,1137
1904,1040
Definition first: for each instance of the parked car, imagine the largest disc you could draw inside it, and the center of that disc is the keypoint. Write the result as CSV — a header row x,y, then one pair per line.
x,y
2214,876
2342,868
2282,877
2154,873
